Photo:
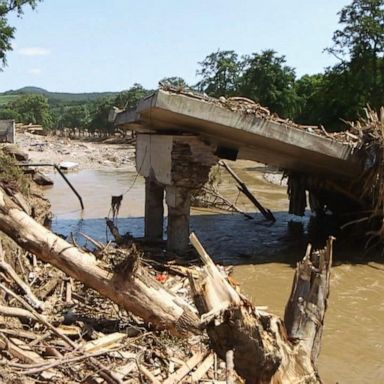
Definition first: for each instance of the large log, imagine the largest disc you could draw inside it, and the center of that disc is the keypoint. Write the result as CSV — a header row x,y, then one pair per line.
x,y
264,349
131,287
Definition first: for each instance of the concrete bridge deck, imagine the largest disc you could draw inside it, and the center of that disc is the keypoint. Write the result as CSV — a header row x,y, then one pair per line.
x,y
241,135
181,136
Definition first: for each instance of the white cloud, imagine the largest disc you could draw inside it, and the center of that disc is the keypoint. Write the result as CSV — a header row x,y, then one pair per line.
x,y
34,71
34,51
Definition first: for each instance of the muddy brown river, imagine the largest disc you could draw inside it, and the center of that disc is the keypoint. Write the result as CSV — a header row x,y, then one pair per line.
x,y
264,255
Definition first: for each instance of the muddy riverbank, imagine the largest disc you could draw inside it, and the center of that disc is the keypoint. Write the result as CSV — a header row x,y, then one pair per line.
x,y
88,154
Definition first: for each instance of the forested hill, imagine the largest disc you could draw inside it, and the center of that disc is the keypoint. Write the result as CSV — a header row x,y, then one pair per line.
x,y
67,98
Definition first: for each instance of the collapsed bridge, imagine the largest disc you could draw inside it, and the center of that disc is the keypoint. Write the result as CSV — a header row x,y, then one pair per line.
x,y
181,134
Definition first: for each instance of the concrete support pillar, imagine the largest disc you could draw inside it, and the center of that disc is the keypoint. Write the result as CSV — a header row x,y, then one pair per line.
x,y
154,210
179,202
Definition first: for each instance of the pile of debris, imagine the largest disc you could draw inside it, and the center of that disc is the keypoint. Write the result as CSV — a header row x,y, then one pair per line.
x,y
247,106
55,329
370,131
113,315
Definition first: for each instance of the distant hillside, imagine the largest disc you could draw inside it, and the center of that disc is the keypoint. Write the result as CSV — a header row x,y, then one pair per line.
x,y
53,97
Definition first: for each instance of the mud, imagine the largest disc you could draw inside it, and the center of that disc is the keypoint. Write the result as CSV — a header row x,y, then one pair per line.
x,y
88,154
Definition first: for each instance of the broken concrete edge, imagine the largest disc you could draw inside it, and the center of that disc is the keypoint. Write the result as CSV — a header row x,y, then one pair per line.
x,y
202,110
256,138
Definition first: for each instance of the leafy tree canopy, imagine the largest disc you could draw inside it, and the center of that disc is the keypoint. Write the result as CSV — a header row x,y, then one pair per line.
x,y
32,109
363,29
359,44
128,99
220,72
268,80
176,81
7,32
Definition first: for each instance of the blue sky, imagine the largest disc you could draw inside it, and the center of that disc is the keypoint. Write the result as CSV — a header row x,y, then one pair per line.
x,y
107,45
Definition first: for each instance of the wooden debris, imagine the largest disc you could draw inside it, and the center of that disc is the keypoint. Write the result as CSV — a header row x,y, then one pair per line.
x,y
263,353
103,343
244,189
202,369
148,374
131,287
38,317
19,350
219,201
30,296
185,368
16,312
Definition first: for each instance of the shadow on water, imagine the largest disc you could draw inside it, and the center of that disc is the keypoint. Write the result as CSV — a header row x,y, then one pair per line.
x,y
233,239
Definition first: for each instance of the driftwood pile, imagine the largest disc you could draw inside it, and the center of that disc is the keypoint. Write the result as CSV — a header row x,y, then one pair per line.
x,y
155,328
370,131
54,329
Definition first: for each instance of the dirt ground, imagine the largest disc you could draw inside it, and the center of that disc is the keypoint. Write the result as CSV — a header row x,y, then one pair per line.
x,y
88,154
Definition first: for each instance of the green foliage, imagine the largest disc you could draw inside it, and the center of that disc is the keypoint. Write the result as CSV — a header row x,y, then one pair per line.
x,y
74,116
99,111
7,32
175,81
262,77
363,32
32,109
309,90
341,92
359,79
128,99
59,98
220,72
9,114
5,99
267,80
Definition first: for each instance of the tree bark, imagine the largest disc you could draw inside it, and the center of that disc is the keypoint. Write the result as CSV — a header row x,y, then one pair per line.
x,y
131,287
265,351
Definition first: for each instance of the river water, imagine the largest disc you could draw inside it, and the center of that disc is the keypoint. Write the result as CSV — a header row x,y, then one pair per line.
x,y
264,255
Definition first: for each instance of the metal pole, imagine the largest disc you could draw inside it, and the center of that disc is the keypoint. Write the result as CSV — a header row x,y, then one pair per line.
x,y
61,174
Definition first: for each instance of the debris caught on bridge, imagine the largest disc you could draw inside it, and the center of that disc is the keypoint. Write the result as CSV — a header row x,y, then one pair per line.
x,y
249,107
370,187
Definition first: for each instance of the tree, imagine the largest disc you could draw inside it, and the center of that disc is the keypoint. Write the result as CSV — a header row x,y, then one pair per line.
x,y
363,32
220,72
99,111
6,31
33,109
359,78
309,92
9,114
175,81
75,116
129,99
267,80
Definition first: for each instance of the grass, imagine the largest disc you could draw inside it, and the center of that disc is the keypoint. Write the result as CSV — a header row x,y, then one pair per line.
x,y
4,99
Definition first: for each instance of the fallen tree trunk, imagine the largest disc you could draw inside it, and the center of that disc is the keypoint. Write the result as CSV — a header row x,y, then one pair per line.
x,y
264,349
131,287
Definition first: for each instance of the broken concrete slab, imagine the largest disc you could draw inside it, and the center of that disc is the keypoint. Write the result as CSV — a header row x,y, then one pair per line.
x,y
243,136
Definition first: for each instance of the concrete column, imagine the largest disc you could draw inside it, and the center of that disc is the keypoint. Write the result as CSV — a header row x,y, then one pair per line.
x,y
179,201
154,210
